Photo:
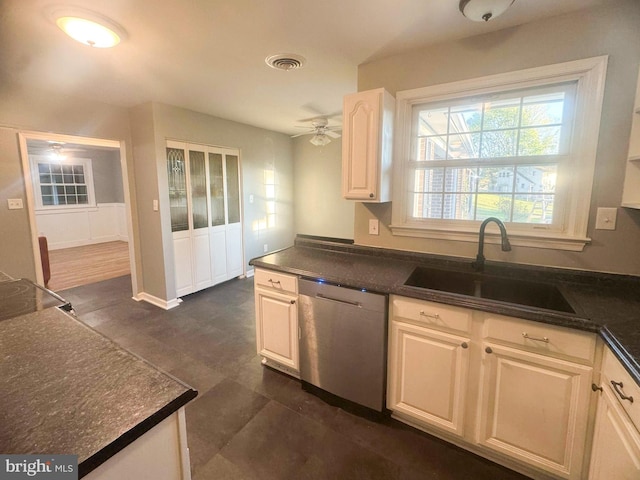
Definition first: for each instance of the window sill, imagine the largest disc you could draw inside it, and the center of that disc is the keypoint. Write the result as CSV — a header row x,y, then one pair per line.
x,y
549,240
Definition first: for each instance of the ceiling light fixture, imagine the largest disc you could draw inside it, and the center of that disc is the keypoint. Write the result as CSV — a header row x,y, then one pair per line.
x,y
88,27
320,140
484,10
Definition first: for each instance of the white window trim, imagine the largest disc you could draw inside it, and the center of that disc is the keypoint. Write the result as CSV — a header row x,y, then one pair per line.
x,y
88,176
590,76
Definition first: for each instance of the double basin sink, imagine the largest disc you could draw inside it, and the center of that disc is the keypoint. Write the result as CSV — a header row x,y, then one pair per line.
x,y
490,287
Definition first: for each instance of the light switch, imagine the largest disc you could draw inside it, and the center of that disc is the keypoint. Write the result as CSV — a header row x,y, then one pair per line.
x,y
155,205
374,226
606,218
14,203
251,198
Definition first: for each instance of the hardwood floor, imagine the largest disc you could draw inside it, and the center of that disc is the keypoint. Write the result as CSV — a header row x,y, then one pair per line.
x,y
72,267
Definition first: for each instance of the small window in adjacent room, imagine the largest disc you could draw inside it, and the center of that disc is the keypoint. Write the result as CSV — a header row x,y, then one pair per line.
x,y
519,146
62,183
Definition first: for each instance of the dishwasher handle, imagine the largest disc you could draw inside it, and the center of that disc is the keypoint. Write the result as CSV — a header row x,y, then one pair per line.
x,y
339,300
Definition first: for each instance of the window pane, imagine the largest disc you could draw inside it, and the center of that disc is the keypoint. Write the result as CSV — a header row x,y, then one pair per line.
x,y
429,180
501,114
68,178
459,206
71,199
198,189
233,189
494,205
433,121
43,168
82,190
543,109
532,208
78,170
216,189
539,141
83,199
78,178
498,144
59,190
431,148
47,200
46,190
427,206
495,179
70,190
461,179
464,146
177,189
56,168
57,178
466,118
45,178
67,169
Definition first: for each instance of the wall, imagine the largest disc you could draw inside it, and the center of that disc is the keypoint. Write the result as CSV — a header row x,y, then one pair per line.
x,y
317,175
259,150
107,176
610,30
43,111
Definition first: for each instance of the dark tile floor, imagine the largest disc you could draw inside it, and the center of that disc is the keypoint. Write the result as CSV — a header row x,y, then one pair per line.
x,y
250,422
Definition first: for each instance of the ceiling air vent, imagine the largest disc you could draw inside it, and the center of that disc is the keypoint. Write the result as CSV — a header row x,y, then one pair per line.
x,y
285,61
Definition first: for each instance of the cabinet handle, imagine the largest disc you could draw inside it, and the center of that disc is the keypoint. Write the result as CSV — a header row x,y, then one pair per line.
x,y
435,316
488,350
293,302
620,392
595,387
535,339
371,195
464,345
273,282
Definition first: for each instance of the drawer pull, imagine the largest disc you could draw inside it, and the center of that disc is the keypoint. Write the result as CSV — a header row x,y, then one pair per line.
x,y
535,339
293,302
435,316
488,350
595,387
620,392
464,345
273,282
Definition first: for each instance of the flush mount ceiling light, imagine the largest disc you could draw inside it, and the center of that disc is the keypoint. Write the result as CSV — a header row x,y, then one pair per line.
x,y
285,61
484,10
88,27
320,140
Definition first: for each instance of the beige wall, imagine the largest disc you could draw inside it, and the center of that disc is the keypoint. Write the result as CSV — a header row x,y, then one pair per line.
x,y
320,208
152,125
36,110
612,30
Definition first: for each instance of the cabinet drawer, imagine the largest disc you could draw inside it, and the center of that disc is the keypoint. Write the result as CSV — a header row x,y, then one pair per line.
x,y
278,281
431,314
613,371
542,338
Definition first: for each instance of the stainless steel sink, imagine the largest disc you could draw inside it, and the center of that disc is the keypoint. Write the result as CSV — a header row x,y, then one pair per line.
x,y
480,285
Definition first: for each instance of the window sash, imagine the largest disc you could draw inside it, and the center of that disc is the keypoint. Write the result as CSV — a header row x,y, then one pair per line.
x,y
62,184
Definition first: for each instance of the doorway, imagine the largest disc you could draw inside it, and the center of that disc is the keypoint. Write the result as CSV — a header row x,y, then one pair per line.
x,y
77,193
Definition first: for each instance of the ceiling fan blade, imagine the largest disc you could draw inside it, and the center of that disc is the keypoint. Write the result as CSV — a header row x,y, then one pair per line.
x,y
332,134
301,134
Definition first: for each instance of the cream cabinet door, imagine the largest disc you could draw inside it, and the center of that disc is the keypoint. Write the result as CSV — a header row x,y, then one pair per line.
x,y
428,376
616,443
277,327
366,145
534,408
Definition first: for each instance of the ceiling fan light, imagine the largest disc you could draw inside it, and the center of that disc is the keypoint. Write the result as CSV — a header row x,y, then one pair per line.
x,y
320,140
484,10
87,27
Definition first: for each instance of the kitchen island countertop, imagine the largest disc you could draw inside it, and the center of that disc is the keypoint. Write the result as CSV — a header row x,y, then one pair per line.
x,y
65,388
606,304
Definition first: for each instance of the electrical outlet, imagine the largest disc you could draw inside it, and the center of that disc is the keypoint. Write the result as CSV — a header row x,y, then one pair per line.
x,y
606,218
266,248
14,203
155,205
374,226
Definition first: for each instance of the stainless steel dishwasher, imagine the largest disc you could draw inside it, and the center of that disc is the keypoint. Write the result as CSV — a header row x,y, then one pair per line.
x,y
343,333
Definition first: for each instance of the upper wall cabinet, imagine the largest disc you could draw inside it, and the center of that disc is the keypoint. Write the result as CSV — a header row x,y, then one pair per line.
x,y
367,145
631,191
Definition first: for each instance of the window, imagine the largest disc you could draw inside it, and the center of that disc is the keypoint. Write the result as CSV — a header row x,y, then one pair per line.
x,y
517,146
62,183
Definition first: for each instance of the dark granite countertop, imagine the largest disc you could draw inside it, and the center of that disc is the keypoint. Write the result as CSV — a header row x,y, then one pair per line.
x,y
606,304
65,388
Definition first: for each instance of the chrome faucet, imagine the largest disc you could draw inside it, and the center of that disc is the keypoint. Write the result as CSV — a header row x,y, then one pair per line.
x,y
478,265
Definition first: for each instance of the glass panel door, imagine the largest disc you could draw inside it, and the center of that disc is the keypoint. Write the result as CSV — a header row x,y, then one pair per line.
x,y
216,189
198,189
233,188
177,189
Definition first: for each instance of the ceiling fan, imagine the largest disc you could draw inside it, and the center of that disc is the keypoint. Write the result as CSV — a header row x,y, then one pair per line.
x,y
321,131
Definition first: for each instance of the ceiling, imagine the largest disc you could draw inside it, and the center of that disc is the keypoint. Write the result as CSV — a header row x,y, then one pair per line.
x,y
208,55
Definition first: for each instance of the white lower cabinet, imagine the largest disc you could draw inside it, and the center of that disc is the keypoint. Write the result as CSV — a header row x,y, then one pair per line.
x,y
615,452
515,391
277,320
534,408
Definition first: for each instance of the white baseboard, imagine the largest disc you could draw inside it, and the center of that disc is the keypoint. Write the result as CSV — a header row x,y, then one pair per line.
x,y
158,302
249,273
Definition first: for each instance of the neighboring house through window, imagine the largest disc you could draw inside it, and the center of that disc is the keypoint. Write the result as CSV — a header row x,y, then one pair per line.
x,y
518,146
